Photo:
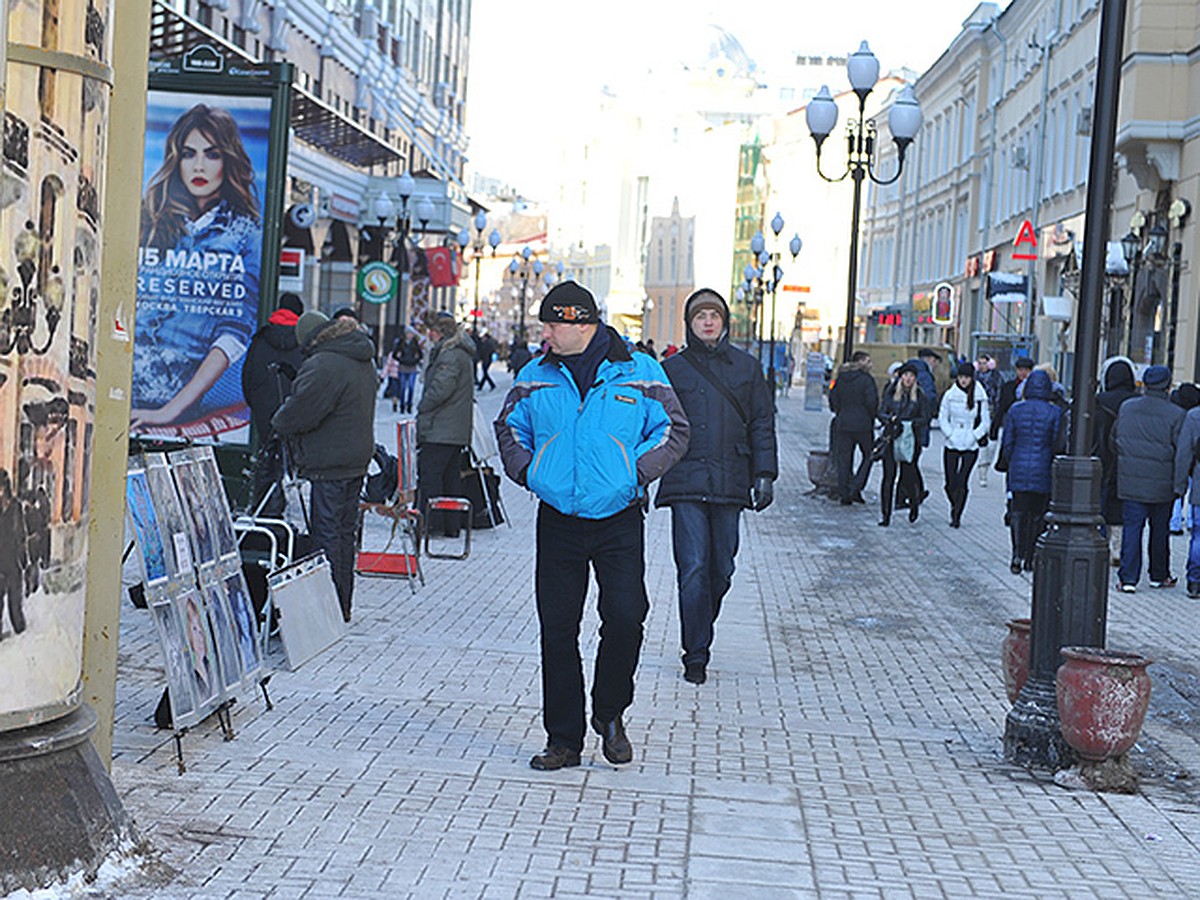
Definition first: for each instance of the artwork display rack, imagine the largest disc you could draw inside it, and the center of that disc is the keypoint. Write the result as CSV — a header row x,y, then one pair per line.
x,y
195,589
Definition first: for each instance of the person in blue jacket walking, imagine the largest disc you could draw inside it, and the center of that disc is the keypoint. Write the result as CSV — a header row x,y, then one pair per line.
x,y
587,427
1033,434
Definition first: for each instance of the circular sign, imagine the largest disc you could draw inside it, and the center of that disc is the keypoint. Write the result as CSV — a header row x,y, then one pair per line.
x,y
378,282
302,215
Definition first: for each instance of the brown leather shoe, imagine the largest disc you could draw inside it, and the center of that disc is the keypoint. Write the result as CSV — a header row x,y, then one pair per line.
x,y
614,743
555,756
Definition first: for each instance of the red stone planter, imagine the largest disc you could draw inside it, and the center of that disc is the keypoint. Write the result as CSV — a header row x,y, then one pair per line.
x,y
1102,700
1014,657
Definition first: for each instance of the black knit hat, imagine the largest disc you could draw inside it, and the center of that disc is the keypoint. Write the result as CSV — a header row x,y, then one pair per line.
x,y
965,369
571,303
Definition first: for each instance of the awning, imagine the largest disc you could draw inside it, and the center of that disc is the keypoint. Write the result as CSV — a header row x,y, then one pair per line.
x,y
315,122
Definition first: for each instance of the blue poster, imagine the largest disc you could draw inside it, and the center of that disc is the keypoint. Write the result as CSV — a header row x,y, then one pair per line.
x,y
199,258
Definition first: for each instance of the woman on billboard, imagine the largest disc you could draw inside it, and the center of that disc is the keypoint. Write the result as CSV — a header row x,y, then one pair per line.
x,y
200,252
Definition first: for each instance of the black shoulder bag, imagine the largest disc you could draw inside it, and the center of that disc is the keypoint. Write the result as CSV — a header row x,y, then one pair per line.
x,y
721,389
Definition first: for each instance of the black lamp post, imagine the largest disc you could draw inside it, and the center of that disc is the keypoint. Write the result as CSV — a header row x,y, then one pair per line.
x,y
771,285
1070,573
521,266
904,121
480,223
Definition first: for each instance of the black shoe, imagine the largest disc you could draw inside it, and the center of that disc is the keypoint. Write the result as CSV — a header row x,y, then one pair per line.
x,y
913,512
1028,565
846,501
1193,590
1015,566
857,497
884,522
555,756
955,522
615,744
696,673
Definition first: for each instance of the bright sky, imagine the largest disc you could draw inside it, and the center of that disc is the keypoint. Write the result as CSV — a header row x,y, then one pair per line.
x,y
533,61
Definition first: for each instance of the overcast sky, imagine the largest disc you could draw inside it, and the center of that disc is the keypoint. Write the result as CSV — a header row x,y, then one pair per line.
x,y
531,59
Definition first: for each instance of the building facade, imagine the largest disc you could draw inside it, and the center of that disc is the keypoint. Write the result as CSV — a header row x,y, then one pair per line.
x,y
670,277
995,206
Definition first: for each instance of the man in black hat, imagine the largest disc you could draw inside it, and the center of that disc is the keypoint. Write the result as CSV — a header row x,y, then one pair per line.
x,y
587,428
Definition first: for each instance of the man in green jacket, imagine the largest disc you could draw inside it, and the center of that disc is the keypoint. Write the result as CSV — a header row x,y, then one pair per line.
x,y
445,414
329,421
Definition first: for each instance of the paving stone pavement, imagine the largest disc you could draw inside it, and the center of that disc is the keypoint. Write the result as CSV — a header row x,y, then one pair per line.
x,y
847,744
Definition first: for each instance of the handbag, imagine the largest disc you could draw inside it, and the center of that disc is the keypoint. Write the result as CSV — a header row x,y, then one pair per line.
x,y
904,447
983,441
1001,463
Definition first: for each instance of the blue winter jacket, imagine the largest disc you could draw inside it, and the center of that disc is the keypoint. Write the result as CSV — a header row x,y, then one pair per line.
x,y
593,458
1032,436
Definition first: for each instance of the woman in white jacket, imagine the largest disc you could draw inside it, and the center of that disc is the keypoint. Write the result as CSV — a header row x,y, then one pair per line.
x,y
965,420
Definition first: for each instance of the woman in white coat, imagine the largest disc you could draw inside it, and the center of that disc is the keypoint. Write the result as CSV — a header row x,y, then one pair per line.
x,y
965,420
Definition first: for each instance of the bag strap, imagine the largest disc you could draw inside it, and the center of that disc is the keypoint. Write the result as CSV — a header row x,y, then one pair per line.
x,y
721,389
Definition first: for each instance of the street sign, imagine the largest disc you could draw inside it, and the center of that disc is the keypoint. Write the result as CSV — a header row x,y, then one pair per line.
x,y
943,304
1027,239
378,282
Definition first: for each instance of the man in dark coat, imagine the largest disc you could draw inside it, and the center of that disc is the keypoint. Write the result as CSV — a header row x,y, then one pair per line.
x,y
1008,394
1032,437
1145,438
330,421
854,401
485,349
518,356
730,464
1119,385
272,361
444,416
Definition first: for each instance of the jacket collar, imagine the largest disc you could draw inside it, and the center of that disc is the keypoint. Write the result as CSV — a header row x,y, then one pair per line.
x,y
617,351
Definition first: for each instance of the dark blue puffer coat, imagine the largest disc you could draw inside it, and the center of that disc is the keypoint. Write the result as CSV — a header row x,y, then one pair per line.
x,y
1033,434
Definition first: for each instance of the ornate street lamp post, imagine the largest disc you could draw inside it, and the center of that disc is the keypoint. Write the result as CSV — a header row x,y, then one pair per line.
x,y
904,121
520,266
771,285
1070,571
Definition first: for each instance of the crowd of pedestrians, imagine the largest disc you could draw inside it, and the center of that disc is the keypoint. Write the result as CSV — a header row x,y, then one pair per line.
x,y
1147,440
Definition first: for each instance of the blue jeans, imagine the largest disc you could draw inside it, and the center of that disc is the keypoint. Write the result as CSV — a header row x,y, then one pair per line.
x,y
1136,514
408,381
1193,562
705,540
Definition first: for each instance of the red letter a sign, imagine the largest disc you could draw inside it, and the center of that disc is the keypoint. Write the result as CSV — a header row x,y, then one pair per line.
x,y
1026,244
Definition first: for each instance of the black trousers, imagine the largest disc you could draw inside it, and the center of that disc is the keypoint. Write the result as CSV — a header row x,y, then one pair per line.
x,y
614,549
334,524
846,441
1028,519
439,474
957,464
911,487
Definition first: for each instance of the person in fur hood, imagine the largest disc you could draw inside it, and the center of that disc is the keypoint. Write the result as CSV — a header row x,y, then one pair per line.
x,y
329,423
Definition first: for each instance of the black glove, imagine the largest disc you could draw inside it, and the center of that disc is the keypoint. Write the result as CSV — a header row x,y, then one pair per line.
x,y
762,493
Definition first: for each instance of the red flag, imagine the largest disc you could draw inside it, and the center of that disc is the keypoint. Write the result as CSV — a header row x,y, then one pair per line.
x,y
443,268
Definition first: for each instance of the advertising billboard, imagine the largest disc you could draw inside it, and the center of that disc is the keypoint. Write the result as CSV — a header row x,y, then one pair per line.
x,y
211,183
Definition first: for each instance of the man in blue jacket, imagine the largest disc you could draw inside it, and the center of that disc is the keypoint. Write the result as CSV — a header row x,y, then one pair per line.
x,y
587,427
730,465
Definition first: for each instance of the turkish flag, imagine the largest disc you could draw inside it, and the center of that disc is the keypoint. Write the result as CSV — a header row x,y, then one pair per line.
x,y
443,266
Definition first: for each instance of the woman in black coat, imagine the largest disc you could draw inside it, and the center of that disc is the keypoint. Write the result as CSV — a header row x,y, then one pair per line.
x,y
904,412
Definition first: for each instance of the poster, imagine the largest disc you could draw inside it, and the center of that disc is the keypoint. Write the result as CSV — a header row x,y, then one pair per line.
x,y
200,252
228,658
144,520
177,661
244,621
171,523
200,663
191,494
217,503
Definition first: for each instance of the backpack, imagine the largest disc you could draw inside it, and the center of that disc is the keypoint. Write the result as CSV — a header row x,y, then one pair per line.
x,y
383,477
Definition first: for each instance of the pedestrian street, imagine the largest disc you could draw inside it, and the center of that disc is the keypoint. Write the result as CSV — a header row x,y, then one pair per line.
x,y
847,742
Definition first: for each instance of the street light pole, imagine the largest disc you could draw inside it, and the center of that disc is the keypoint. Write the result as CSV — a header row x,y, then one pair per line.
x,y
904,121
1070,573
